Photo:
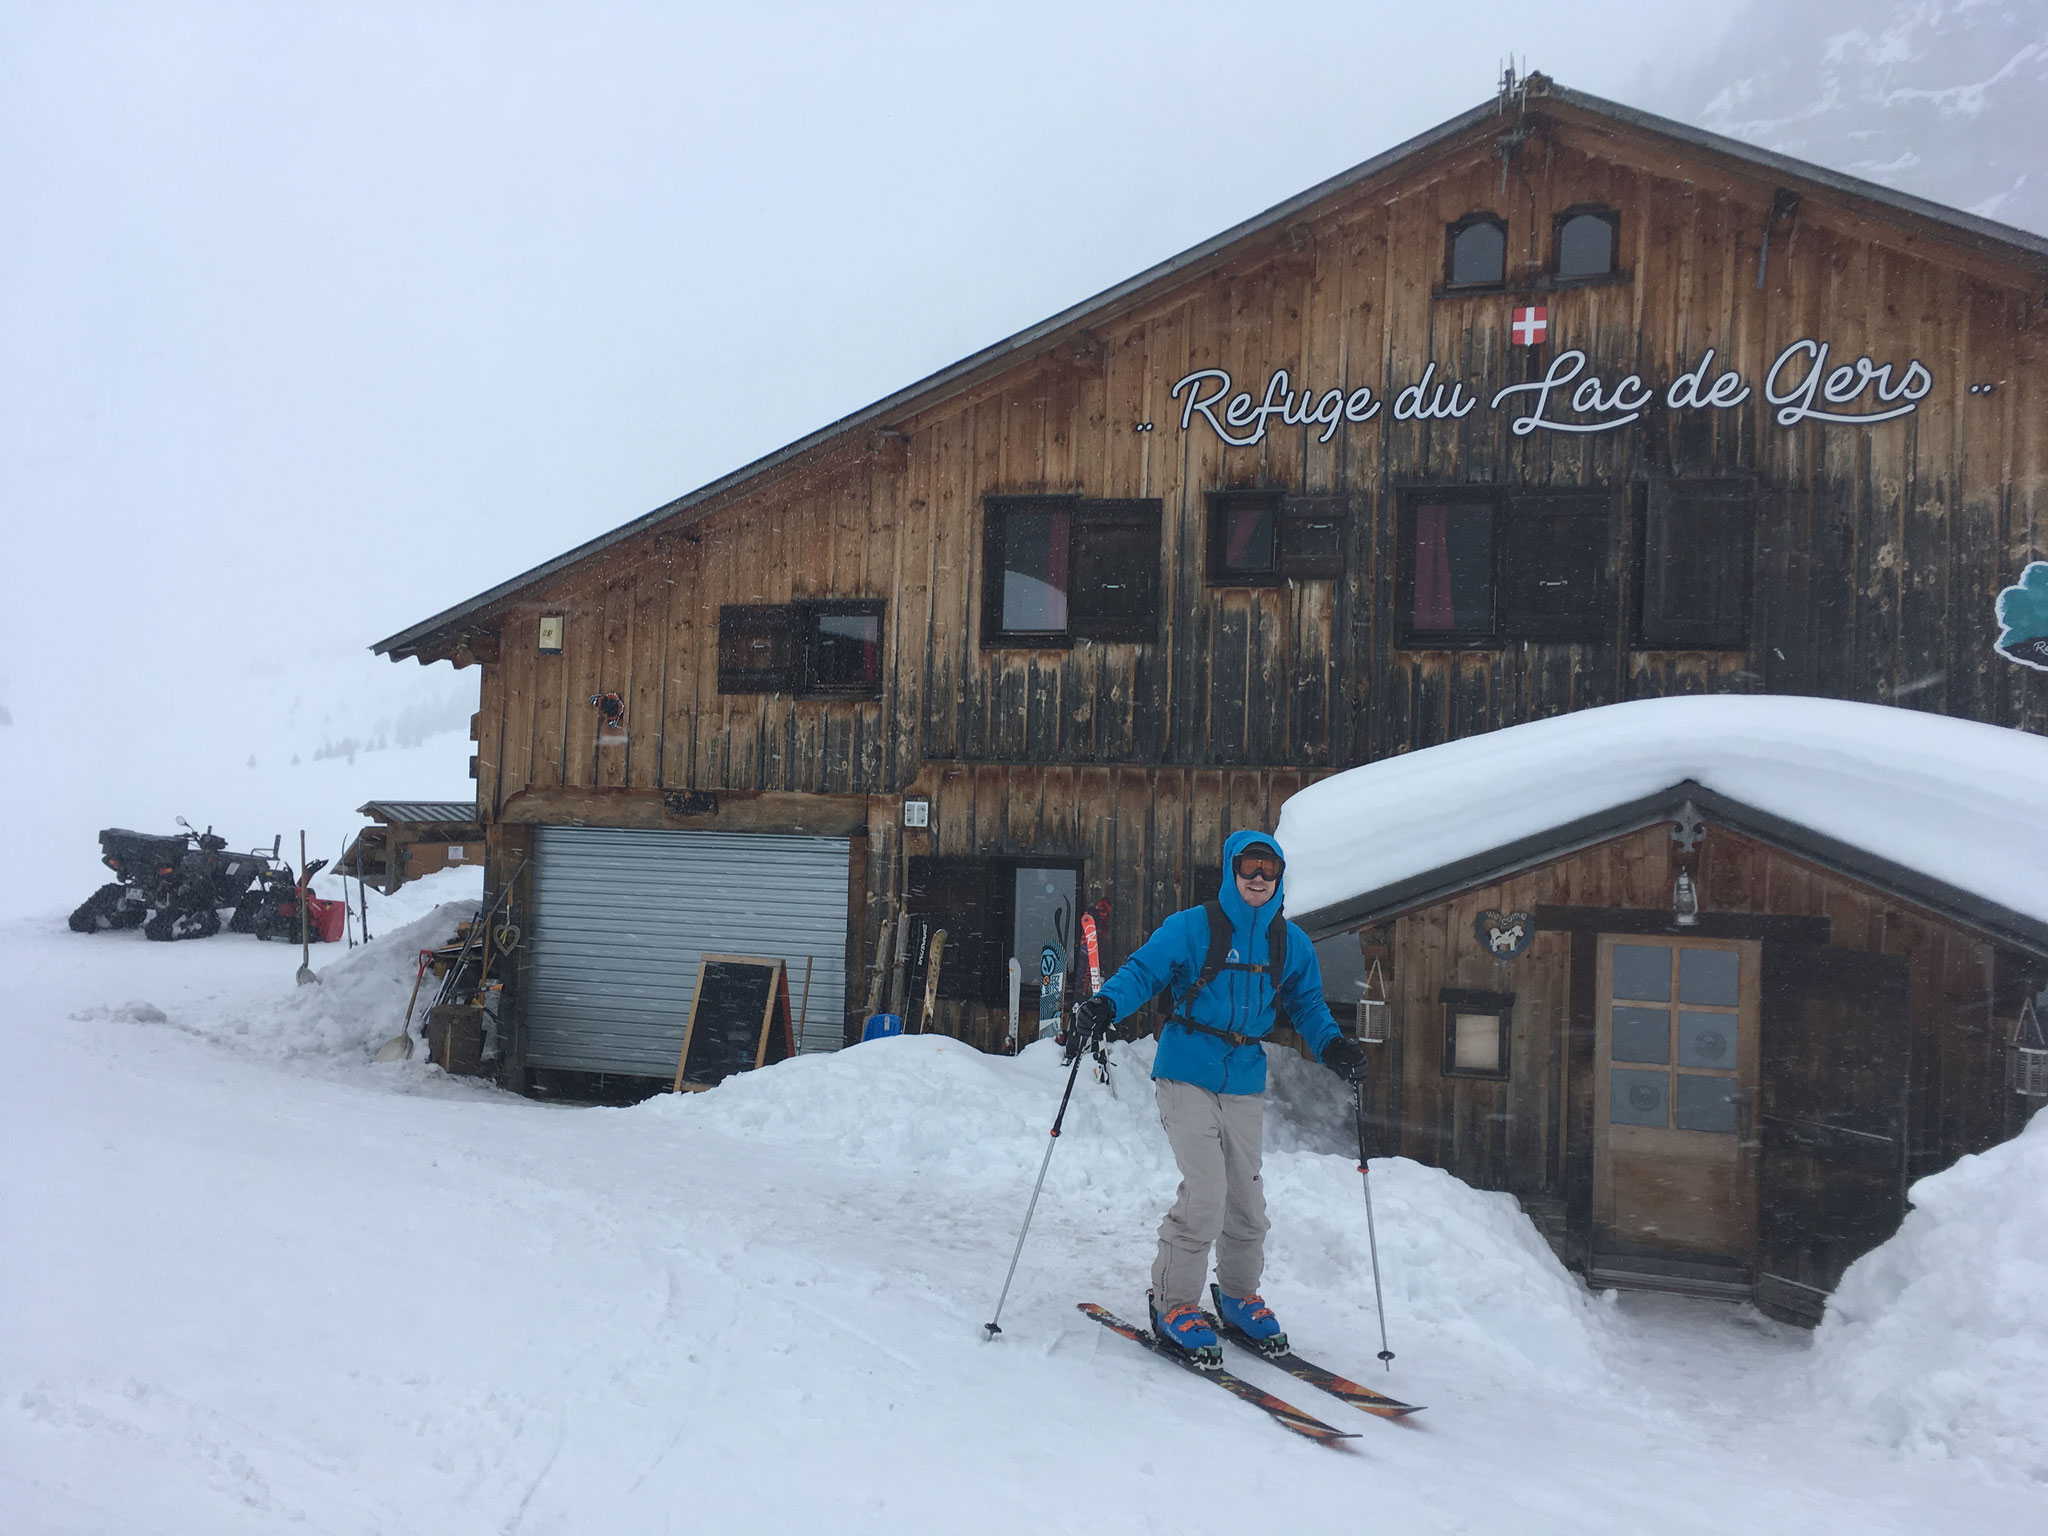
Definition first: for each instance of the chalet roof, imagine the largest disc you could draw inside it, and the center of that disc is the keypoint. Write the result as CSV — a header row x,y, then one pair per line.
x,y
448,628
1947,814
420,812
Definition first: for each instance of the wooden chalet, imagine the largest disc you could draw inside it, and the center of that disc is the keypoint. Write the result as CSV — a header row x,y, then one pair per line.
x,y
1557,405
411,838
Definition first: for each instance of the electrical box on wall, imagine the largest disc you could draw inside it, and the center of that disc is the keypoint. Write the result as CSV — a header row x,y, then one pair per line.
x,y
917,813
551,634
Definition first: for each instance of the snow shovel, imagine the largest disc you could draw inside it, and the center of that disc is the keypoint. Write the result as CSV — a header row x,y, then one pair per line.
x,y
305,938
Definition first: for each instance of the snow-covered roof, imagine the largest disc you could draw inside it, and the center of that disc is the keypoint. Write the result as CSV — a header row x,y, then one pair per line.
x,y
1943,803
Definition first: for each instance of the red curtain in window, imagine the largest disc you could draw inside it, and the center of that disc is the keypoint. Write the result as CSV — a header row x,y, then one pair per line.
x,y
1433,606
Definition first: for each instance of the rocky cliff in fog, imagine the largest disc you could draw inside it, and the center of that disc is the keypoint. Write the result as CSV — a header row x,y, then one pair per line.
x,y
1946,99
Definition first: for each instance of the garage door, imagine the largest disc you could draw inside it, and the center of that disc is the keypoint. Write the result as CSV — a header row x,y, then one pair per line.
x,y
619,920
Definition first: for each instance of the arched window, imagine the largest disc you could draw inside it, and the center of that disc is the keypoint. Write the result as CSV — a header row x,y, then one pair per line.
x,y
1585,242
1476,251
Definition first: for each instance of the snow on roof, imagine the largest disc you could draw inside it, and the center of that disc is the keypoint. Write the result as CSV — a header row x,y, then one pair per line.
x,y
1963,803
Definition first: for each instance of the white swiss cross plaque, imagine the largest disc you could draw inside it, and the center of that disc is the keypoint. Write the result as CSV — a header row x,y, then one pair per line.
x,y
1531,325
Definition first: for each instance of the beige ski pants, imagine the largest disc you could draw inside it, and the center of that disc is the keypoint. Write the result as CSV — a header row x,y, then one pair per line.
x,y
1216,1139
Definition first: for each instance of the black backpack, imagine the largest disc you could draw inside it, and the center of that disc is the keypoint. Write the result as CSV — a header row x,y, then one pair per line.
x,y
1218,961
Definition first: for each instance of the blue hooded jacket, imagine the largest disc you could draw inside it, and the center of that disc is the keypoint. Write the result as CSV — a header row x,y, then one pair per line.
x,y
1241,1001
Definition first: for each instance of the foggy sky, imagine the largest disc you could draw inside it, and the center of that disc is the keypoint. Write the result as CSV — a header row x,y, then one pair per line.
x,y
317,319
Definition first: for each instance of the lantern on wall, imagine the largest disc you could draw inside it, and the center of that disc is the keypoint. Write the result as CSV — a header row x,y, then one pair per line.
x,y
2026,1061
1372,1006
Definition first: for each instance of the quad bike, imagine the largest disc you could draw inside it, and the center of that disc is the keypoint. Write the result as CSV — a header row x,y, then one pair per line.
x,y
270,908
172,887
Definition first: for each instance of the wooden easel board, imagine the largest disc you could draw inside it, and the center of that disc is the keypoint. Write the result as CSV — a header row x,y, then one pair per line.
x,y
739,1020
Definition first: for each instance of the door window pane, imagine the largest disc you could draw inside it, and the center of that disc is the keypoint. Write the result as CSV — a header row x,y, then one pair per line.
x,y
1706,1040
1643,971
1706,1103
1035,571
1708,976
1641,1034
1045,915
1454,568
1637,1098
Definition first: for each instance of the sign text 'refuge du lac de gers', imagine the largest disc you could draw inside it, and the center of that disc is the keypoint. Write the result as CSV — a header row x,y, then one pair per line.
x,y
1800,386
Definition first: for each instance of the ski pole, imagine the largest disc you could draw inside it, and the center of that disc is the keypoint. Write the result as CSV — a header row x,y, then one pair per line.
x,y
1372,1240
992,1328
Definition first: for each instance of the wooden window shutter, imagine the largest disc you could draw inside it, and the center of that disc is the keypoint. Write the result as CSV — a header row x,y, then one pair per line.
x,y
1557,567
1696,566
757,648
1114,595
1312,530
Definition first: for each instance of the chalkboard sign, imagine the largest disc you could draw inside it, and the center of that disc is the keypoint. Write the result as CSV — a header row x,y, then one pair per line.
x,y
739,1020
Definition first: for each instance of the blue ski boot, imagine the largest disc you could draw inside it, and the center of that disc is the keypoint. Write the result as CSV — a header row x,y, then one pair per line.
x,y
1251,1321
1186,1327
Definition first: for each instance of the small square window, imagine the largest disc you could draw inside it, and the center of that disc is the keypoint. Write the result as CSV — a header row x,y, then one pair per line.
x,y
842,646
1475,251
1477,1030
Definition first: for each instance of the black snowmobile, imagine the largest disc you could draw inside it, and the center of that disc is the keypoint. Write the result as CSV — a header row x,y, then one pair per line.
x,y
171,887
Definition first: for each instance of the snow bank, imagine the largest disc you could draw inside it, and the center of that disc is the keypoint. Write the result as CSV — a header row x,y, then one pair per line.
x,y
360,1000
1937,1341
1950,798
1459,1265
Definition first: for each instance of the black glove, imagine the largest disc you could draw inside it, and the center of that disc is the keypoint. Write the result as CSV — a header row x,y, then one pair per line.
x,y
1092,1020
1348,1059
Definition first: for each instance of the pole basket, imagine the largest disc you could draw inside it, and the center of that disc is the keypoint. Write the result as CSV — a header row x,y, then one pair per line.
x,y
1372,1006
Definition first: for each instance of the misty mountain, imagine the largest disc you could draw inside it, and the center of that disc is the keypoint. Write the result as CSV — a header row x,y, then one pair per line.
x,y
1946,99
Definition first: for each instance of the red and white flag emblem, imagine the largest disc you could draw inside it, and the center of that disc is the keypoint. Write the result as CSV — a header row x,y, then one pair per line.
x,y
1531,325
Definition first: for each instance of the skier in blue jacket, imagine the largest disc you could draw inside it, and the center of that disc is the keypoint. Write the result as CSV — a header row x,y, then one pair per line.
x,y
1210,1077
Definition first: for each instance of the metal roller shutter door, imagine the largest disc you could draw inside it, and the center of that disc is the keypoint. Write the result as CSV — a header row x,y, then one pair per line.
x,y
620,919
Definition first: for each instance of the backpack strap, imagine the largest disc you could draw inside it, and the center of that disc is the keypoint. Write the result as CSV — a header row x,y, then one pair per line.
x,y
1217,961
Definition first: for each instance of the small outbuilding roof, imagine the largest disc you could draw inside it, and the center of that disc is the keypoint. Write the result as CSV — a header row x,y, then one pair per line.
x,y
1947,813
431,812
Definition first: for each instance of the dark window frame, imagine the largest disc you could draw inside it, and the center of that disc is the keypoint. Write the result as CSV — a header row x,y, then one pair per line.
x,y
1509,622
1451,233
1729,629
1456,1000
1295,519
791,625
997,876
1611,218
1091,614
809,611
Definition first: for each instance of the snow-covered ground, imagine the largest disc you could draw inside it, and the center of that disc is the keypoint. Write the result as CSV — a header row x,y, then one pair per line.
x,y
257,1283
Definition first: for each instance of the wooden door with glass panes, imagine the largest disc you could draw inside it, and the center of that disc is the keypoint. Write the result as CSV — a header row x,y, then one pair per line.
x,y
1674,1167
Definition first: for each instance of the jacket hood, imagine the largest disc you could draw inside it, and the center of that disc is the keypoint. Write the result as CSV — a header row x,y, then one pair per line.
x,y
1240,912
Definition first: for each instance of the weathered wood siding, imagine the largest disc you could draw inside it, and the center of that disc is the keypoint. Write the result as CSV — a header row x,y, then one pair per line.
x,y
1517,1135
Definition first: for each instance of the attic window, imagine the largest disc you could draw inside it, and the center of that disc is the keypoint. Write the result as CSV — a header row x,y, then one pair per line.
x,y
1476,251
1586,242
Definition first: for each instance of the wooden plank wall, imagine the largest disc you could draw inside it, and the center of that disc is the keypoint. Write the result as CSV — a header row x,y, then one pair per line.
x,y
1513,1135
1877,555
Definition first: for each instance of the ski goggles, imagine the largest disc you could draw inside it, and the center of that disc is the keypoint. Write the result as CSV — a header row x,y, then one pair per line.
x,y
1258,864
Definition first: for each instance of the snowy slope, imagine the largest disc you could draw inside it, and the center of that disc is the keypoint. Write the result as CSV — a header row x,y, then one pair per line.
x,y
1950,798
274,1286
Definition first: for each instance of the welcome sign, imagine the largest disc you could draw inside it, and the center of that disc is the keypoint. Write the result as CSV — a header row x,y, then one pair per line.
x,y
1800,386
